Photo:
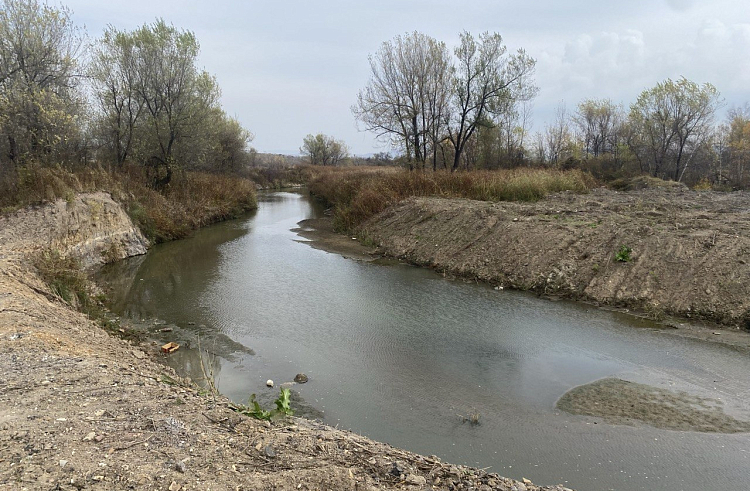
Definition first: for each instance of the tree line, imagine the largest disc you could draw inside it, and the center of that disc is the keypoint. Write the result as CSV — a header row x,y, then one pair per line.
x,y
129,97
470,107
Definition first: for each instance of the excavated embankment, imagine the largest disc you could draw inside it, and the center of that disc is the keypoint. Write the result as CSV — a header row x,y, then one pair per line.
x,y
689,251
80,409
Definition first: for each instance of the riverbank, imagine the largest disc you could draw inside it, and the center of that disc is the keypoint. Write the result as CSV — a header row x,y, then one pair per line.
x,y
85,410
658,251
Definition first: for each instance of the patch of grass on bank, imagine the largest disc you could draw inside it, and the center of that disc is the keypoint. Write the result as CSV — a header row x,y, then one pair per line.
x,y
67,281
358,194
192,200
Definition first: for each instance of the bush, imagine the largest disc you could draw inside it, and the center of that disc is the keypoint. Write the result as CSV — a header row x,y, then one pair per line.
x,y
623,254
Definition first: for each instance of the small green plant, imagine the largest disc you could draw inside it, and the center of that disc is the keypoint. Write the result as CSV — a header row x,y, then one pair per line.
x,y
623,254
595,268
254,410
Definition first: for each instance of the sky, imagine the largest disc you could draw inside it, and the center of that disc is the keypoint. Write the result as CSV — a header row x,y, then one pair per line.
x,y
288,68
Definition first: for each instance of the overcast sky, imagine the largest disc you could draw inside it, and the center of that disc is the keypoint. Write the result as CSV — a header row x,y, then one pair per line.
x,y
289,68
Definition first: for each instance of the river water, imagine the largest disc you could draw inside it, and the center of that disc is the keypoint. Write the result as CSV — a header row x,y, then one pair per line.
x,y
402,355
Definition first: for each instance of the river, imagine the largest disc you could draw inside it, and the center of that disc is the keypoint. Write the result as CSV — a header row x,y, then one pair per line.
x,y
403,355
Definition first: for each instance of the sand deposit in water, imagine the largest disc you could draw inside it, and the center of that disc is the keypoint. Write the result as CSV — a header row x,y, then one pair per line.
x,y
623,402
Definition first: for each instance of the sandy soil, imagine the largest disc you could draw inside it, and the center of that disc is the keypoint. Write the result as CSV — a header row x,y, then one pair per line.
x,y
319,232
80,409
622,402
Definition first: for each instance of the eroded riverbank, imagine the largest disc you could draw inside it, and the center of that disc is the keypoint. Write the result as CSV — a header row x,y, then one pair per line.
x,y
689,251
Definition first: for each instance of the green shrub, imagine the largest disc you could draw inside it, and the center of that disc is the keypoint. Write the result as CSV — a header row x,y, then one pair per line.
x,y
623,254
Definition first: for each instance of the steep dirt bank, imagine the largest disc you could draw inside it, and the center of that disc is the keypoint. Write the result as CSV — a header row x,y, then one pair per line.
x,y
690,250
80,409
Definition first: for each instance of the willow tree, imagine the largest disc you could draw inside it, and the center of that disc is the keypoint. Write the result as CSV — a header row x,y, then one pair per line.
x,y
322,149
670,123
155,104
39,100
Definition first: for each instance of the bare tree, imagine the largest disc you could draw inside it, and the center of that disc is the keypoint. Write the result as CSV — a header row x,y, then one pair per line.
x,y
558,138
486,80
405,101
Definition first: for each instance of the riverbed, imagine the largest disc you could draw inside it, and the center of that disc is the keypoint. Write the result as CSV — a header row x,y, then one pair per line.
x,y
405,356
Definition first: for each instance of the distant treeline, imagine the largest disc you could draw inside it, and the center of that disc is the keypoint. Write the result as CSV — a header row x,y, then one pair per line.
x,y
470,108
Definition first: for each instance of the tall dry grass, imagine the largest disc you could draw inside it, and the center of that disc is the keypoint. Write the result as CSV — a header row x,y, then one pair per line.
x,y
358,194
193,199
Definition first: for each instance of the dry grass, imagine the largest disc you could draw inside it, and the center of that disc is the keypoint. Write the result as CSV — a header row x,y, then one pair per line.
x,y
193,199
358,194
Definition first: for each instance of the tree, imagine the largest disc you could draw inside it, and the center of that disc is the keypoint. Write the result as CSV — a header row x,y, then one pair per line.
x,y
670,123
599,122
558,140
323,150
734,151
487,80
113,72
39,102
405,101
156,106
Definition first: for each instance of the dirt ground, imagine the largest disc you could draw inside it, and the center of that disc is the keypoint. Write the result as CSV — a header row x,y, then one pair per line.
x,y
80,409
689,252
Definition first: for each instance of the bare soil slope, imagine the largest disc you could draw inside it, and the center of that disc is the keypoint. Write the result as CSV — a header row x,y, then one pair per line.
x,y
80,409
690,250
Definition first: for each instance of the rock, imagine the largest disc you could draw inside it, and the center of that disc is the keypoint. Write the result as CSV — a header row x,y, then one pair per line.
x,y
269,452
63,463
526,481
397,470
179,466
89,437
269,383
415,480
174,486
301,378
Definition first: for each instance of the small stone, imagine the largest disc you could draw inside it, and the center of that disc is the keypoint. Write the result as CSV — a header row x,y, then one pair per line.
x,y
526,481
98,438
269,452
301,378
174,486
416,480
269,383
63,463
90,436
180,466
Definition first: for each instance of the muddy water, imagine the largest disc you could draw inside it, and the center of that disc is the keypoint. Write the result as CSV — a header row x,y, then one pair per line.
x,y
403,355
